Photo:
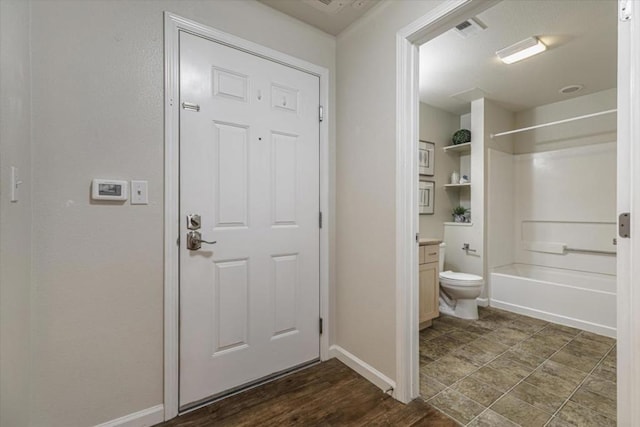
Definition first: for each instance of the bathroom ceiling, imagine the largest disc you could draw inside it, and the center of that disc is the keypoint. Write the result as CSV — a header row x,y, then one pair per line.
x,y
332,23
581,39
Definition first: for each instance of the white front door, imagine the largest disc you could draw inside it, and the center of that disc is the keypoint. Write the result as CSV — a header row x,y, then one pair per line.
x,y
249,166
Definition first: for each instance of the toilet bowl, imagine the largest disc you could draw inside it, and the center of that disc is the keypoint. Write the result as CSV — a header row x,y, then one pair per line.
x,y
458,291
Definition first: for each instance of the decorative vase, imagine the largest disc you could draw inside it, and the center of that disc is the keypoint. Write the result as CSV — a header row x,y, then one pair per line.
x,y
458,218
455,178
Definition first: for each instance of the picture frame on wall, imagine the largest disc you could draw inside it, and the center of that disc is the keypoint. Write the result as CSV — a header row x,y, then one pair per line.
x,y
426,197
426,158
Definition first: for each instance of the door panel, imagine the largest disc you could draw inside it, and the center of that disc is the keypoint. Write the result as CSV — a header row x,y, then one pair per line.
x,y
249,165
231,187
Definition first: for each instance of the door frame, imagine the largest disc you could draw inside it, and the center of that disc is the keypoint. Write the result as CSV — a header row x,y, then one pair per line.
x,y
408,39
173,24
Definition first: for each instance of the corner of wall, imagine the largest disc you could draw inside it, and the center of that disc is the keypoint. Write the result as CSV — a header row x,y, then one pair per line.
x,y
16,216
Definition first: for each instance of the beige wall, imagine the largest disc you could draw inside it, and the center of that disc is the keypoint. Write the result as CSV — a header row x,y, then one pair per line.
x,y
438,126
15,227
579,133
98,268
366,135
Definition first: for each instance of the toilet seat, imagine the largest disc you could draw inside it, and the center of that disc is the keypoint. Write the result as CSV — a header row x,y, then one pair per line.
x,y
454,278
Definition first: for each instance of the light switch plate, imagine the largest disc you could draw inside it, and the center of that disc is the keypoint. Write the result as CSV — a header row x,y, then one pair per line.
x,y
15,182
139,192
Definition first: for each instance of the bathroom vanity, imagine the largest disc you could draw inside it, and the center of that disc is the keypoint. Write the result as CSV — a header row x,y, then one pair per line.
x,y
429,288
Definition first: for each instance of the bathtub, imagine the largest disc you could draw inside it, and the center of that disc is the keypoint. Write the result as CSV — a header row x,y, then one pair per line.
x,y
573,298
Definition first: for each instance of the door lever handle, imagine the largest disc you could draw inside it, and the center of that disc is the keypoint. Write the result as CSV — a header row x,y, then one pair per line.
x,y
194,241
466,248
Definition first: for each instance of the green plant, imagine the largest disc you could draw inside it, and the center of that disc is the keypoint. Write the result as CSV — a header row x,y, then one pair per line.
x,y
460,210
461,136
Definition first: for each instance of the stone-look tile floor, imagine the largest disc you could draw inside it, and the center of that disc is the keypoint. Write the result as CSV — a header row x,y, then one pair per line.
x,y
506,369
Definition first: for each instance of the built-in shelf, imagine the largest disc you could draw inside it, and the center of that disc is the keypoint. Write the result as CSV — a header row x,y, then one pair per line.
x,y
448,186
460,148
459,224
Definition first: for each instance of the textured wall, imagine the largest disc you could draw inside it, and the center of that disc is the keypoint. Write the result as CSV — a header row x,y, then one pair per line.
x,y
437,126
366,199
98,268
15,227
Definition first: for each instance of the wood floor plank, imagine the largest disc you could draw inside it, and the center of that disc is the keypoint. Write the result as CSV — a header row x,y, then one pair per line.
x,y
328,394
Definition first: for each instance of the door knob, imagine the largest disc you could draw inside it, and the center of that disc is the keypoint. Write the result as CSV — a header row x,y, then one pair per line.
x,y
194,241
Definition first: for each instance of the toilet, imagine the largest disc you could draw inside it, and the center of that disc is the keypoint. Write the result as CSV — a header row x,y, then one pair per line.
x,y
458,291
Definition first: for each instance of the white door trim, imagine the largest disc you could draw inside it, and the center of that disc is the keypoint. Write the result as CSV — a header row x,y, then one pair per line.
x,y
628,315
173,24
407,41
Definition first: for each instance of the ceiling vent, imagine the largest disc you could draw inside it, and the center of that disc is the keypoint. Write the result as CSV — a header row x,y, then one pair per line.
x,y
359,4
470,27
328,6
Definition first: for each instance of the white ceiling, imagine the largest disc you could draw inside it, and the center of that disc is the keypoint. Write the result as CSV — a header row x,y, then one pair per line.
x,y
332,23
581,37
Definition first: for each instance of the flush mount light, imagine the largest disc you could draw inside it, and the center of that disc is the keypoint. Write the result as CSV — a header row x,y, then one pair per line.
x,y
571,89
521,50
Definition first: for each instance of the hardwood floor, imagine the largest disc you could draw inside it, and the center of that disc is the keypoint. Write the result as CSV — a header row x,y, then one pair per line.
x,y
328,394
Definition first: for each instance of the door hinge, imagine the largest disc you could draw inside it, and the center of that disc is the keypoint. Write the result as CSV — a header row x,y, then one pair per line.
x,y
626,10
321,113
624,225
320,219
320,326
178,241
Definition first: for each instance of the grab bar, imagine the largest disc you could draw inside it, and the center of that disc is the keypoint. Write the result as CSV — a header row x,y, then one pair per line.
x,y
591,251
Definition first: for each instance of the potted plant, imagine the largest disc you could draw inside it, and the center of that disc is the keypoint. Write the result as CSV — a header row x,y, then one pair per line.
x,y
459,214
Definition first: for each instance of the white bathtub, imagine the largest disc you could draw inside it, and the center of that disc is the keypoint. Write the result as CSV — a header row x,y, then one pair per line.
x,y
573,298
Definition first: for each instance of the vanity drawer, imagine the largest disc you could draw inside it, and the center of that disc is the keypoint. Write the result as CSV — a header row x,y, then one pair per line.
x,y
429,253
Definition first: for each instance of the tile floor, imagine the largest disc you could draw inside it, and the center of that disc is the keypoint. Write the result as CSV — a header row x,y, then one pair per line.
x,y
510,370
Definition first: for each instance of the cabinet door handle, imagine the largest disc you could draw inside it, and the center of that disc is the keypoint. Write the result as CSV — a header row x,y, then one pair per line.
x,y
433,253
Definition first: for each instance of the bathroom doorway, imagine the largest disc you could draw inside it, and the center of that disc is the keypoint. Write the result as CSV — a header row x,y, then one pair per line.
x,y
518,170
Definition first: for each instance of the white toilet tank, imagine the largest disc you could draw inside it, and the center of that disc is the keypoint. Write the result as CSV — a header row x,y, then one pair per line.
x,y
443,250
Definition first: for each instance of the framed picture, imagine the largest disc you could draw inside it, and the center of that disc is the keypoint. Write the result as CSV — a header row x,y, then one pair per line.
x,y
426,196
427,157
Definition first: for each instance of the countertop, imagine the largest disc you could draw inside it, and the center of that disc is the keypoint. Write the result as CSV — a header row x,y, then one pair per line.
x,y
425,241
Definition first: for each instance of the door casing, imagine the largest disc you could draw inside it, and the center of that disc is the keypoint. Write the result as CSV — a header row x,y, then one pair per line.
x,y
173,24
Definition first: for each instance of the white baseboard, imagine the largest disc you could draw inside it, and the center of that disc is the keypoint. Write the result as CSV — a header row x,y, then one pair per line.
x,y
482,302
145,418
367,371
556,318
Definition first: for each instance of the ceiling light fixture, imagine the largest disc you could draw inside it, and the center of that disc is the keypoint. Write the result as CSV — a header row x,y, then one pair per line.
x,y
521,50
571,89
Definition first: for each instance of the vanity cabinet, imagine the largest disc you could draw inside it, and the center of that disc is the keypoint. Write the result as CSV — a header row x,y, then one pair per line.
x,y
429,284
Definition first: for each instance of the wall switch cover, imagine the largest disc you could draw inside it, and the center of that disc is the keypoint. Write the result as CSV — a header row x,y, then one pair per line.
x,y
139,193
15,183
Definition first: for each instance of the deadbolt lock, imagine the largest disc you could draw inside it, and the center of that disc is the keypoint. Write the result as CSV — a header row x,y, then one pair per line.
x,y
194,222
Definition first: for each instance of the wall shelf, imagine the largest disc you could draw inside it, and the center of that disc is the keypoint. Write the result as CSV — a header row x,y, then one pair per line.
x,y
460,148
459,224
451,186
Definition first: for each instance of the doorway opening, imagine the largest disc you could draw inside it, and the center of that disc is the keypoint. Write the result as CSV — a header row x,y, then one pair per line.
x,y
492,184
524,322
